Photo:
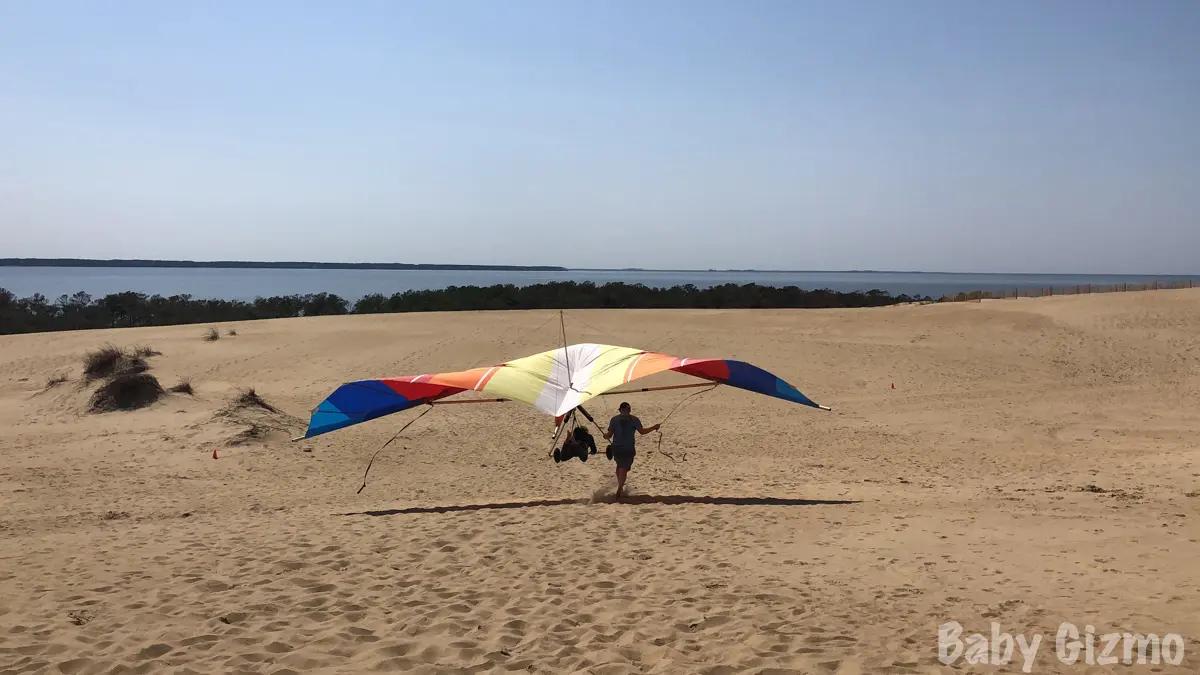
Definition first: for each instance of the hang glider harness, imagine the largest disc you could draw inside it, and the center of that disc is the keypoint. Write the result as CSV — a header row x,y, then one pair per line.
x,y
533,380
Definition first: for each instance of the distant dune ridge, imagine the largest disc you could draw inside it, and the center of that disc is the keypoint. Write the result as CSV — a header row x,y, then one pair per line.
x,y
1035,463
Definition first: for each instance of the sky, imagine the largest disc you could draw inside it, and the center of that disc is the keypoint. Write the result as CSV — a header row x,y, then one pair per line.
x,y
1003,136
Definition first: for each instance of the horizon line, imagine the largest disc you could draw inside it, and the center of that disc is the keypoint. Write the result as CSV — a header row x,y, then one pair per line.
x,y
403,266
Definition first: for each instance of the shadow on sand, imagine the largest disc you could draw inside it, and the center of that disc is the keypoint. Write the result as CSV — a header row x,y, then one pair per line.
x,y
630,499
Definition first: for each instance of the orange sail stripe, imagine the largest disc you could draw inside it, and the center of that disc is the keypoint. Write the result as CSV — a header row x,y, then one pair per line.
x,y
650,364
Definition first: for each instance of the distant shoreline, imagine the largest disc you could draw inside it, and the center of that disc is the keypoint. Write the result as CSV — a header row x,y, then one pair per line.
x,y
307,265
238,264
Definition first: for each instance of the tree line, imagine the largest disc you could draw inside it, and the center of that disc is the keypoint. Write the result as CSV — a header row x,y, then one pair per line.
x,y
130,309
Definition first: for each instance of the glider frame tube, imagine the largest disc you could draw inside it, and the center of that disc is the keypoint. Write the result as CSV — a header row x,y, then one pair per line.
x,y
603,393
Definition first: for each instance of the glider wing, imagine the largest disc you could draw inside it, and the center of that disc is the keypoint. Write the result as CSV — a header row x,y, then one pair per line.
x,y
553,381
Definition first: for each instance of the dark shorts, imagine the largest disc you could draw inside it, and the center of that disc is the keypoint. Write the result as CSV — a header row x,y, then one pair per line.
x,y
623,456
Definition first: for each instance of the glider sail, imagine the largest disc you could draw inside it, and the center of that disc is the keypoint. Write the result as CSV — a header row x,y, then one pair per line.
x,y
554,381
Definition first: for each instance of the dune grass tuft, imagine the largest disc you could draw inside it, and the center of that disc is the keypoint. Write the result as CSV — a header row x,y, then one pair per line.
x,y
250,399
126,391
109,361
145,352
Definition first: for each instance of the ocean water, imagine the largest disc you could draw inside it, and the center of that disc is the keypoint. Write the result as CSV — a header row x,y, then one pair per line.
x,y
247,284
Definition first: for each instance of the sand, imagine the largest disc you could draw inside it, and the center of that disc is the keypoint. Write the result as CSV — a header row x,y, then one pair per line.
x,y
1035,463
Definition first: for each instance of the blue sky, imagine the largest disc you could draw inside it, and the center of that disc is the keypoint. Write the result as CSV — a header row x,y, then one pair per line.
x,y
1004,136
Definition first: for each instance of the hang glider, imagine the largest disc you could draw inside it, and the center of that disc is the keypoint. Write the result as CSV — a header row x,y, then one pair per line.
x,y
554,381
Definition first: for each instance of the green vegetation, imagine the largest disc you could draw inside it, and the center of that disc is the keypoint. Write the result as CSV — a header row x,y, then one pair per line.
x,y
124,310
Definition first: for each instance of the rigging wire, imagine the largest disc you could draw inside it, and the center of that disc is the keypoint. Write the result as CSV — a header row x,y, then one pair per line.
x,y
651,346
519,340
597,330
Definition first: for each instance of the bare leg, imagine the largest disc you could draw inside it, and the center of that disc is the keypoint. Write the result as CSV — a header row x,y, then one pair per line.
x,y
621,474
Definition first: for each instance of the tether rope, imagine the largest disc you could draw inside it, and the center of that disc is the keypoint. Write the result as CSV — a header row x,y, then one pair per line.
x,y
658,447
389,441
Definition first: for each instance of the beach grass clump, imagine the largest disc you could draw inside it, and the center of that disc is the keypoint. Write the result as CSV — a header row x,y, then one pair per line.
x,y
127,385
184,387
145,352
248,398
109,361
212,335
101,362
126,391
258,421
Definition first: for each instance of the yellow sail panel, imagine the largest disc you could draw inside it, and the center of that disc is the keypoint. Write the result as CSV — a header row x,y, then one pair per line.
x,y
541,380
557,380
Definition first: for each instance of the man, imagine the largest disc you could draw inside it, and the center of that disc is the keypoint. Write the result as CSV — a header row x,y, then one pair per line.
x,y
620,432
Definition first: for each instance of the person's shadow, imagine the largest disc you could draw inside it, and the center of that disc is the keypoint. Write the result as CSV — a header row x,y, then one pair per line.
x,y
630,500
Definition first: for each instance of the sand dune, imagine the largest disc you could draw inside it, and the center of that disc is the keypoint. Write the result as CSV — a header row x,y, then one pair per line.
x,y
1036,463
